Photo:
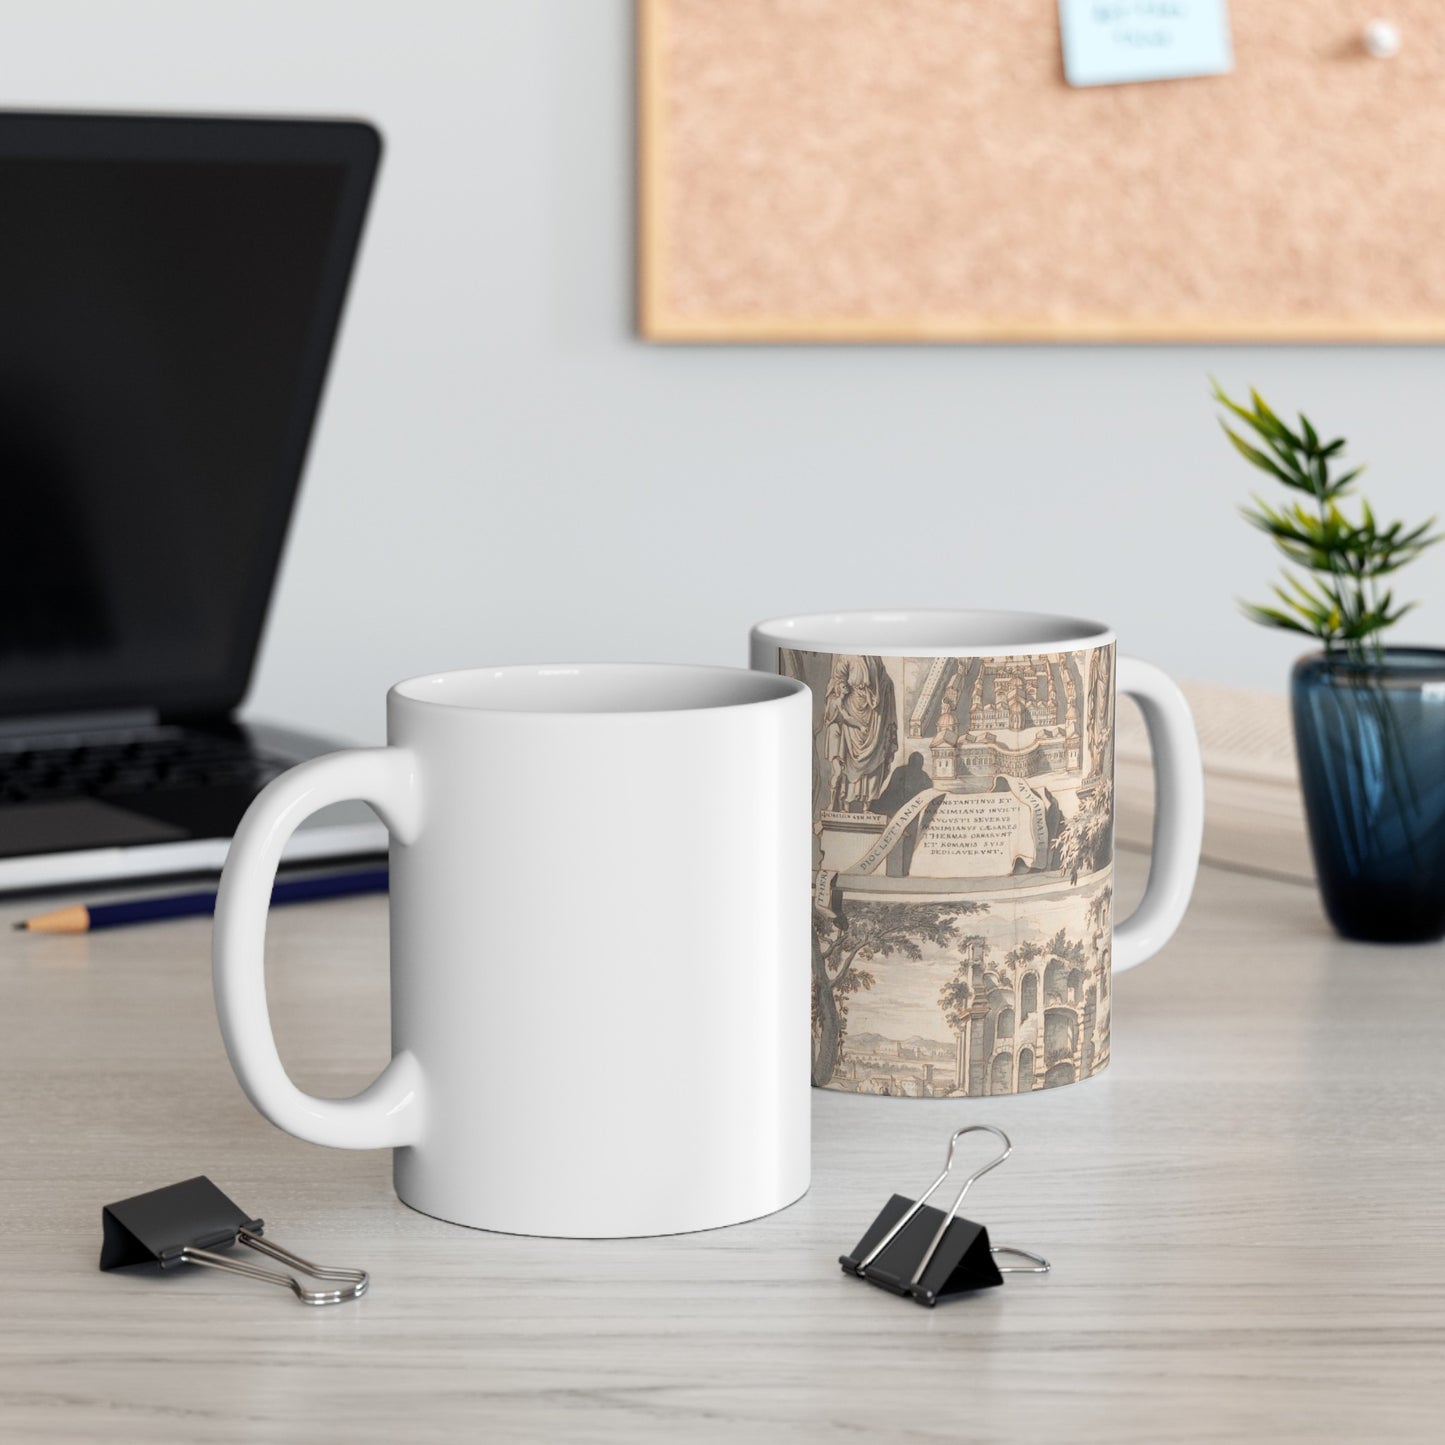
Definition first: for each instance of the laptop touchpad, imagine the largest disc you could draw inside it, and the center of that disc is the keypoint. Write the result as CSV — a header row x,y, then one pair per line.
x,y
75,823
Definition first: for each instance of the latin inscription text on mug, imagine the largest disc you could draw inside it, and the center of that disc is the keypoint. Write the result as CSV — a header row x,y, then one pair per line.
x,y
980,836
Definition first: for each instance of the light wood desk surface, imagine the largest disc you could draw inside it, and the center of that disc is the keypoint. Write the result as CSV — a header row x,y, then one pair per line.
x,y
1245,1214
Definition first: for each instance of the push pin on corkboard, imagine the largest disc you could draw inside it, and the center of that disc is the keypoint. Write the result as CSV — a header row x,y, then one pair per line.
x,y
1381,39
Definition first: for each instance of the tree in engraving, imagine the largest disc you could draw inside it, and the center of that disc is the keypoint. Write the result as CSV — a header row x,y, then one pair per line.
x,y
1086,841
860,933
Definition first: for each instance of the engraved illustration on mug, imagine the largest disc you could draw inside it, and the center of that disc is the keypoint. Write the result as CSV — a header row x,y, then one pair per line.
x,y
963,812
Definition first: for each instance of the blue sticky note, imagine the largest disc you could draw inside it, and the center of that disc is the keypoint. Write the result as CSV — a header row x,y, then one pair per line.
x,y
1109,42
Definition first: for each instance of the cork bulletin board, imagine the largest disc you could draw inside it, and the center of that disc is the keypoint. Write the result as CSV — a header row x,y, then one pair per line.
x,y
919,170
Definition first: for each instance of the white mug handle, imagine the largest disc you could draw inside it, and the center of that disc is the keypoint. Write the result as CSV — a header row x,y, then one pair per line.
x,y
1178,813
390,1112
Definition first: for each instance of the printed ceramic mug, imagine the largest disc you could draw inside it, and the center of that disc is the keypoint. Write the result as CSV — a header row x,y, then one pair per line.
x,y
599,947
963,830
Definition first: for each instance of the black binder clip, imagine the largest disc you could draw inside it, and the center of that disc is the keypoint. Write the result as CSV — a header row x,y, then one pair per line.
x,y
187,1223
913,1249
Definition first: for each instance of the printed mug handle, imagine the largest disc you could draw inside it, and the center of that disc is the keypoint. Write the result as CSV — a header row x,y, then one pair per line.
x,y
390,1112
1178,813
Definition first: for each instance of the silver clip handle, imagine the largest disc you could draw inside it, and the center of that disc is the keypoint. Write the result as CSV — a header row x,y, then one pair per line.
x,y
356,1280
977,1174
1040,1264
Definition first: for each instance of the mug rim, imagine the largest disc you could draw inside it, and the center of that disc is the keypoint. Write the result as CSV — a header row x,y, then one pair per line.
x,y
742,682
1053,632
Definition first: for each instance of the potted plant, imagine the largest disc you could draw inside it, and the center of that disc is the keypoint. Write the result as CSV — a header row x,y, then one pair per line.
x,y
1369,719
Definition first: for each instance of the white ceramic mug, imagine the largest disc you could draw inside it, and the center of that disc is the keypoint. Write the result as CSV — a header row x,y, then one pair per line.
x,y
599,947
963,843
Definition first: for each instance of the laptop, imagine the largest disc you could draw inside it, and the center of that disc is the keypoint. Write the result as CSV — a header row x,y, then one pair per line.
x,y
170,290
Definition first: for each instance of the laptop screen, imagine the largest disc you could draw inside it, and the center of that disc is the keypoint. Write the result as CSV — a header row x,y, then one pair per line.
x,y
166,312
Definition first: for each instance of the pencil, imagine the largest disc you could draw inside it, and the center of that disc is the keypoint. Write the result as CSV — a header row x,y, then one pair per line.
x,y
80,918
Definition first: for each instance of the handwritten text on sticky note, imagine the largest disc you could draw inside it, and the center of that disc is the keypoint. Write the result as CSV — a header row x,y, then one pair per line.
x,y
1108,42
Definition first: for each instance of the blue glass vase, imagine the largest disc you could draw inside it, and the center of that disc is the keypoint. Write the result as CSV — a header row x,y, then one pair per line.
x,y
1371,743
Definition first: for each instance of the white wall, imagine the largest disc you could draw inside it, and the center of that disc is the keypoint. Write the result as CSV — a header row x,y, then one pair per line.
x,y
503,472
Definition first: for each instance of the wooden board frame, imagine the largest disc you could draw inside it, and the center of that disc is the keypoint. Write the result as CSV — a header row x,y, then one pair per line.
x,y
659,320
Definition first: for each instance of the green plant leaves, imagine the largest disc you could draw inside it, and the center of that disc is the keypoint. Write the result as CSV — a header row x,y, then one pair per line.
x,y
1258,458
1342,604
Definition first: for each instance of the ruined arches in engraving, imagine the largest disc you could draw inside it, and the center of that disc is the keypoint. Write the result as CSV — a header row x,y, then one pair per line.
x,y
1056,975
1028,996
1061,1034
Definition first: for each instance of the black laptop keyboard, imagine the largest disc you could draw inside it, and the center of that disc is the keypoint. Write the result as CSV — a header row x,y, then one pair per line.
x,y
73,767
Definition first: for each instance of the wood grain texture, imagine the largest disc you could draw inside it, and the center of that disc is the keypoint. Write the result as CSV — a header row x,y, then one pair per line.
x,y
919,170
1245,1213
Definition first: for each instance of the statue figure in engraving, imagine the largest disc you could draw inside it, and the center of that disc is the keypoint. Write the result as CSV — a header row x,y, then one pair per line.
x,y
860,730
